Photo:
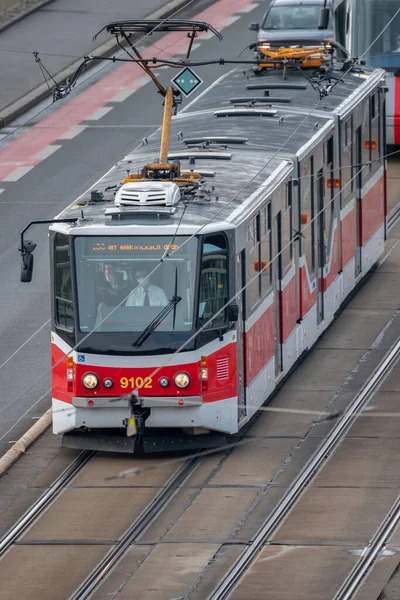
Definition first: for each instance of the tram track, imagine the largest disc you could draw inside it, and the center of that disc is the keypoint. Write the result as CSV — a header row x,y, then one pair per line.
x,y
361,569
301,483
393,217
45,500
148,516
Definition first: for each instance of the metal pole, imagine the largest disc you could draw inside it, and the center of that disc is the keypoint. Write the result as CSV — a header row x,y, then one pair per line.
x,y
166,127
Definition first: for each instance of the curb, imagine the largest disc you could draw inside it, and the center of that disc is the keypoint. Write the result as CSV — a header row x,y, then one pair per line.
x,y
28,101
30,436
24,14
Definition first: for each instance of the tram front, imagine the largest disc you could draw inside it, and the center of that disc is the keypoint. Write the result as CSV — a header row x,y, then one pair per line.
x,y
132,306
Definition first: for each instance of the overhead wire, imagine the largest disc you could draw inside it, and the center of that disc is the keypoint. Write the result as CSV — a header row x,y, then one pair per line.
x,y
167,254
325,172
207,323
97,71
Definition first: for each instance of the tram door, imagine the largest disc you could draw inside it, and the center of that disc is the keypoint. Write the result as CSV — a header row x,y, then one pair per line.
x,y
359,161
276,266
241,335
321,250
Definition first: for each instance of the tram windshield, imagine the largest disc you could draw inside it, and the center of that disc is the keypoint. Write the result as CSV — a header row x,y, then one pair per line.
x,y
376,32
117,291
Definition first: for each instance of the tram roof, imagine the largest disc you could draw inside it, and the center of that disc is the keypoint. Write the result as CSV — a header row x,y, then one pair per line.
x,y
272,142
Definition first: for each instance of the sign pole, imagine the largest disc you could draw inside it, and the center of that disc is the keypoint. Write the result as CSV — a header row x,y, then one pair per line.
x,y
166,127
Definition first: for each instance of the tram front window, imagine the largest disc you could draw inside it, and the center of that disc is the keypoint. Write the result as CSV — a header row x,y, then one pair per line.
x,y
376,32
122,285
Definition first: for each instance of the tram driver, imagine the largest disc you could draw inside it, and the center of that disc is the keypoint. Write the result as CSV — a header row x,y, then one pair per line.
x,y
112,290
146,294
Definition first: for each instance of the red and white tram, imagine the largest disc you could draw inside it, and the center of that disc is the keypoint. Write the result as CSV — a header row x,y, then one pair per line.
x,y
288,217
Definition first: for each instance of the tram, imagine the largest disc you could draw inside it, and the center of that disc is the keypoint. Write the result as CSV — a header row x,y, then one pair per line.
x,y
188,284
371,29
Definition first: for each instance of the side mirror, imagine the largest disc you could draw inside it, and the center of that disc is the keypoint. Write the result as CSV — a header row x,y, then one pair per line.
x,y
27,261
323,20
233,312
254,26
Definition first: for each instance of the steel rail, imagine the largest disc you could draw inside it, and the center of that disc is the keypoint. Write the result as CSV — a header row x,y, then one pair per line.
x,y
149,514
43,502
393,217
362,567
312,467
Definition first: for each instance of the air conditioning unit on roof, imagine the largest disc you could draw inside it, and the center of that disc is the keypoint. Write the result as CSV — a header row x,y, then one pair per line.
x,y
148,193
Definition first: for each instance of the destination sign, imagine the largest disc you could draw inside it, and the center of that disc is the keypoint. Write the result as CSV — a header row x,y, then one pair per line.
x,y
102,247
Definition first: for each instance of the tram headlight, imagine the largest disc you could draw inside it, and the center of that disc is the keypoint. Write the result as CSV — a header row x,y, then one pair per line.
x,y
108,383
181,380
164,381
90,381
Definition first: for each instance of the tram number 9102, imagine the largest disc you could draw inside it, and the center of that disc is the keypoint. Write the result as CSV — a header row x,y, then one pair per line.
x,y
136,382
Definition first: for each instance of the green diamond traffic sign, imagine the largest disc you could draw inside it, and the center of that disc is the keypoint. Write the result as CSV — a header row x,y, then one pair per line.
x,y
187,81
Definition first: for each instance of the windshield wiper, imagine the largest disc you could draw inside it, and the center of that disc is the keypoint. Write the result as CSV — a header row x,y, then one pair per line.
x,y
157,320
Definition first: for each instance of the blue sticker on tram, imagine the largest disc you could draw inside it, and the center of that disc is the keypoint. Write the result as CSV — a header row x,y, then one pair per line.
x,y
81,358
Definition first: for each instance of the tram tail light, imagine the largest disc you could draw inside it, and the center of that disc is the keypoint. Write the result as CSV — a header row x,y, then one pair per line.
x,y
370,145
204,373
333,183
260,266
70,374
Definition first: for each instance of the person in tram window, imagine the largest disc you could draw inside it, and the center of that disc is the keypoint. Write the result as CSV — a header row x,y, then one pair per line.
x,y
112,288
146,294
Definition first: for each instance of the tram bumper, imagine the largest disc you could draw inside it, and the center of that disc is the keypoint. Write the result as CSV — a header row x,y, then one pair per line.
x,y
117,441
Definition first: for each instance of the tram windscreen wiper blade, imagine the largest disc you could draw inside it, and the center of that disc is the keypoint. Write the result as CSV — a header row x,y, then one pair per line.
x,y
157,320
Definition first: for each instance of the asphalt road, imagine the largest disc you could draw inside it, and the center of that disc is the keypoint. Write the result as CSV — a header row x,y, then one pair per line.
x,y
50,186
62,32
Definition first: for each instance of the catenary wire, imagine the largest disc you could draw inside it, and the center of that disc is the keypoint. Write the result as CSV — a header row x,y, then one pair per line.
x,y
167,255
97,71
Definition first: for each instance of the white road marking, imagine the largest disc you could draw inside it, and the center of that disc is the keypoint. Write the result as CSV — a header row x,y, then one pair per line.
x,y
24,344
247,8
229,21
2,190
17,173
184,51
122,96
99,113
206,36
141,81
46,152
73,132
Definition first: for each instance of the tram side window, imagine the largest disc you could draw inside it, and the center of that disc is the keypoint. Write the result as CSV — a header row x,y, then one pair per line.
x,y
287,229
328,196
254,268
213,293
366,139
374,131
308,215
266,250
64,314
347,180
